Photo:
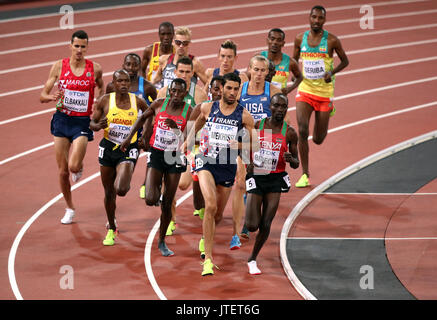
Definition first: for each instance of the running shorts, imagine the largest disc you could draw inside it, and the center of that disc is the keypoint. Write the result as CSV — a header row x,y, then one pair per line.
x,y
318,103
167,161
224,174
268,183
69,127
110,154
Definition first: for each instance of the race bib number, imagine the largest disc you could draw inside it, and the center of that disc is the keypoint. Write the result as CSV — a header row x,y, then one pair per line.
x,y
76,101
199,163
314,69
133,153
287,180
118,132
101,152
250,184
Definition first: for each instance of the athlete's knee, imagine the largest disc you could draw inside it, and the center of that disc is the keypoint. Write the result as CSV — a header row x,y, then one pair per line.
x,y
303,131
122,190
319,138
252,226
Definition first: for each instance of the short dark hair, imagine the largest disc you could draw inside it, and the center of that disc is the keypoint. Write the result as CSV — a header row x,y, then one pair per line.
x,y
218,78
167,24
229,44
132,54
180,81
231,76
321,8
118,72
279,31
80,34
185,60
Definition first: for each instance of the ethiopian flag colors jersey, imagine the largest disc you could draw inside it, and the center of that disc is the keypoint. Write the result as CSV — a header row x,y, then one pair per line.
x,y
315,62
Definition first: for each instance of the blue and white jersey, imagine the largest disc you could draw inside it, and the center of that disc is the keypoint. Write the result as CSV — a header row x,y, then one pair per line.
x,y
219,130
257,105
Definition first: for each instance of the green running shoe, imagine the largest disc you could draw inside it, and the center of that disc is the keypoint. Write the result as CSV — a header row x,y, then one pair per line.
x,y
208,267
303,182
110,238
202,248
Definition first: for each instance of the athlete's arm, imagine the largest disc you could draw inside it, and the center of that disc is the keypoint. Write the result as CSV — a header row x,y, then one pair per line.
x,y
150,90
199,95
162,93
146,59
150,112
344,61
53,77
203,113
296,50
162,63
297,76
199,69
98,119
292,156
249,125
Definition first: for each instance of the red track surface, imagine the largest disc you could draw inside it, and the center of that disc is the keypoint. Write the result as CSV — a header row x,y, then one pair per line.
x,y
30,181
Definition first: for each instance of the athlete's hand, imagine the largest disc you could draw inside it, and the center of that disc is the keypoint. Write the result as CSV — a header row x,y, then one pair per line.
x,y
294,162
102,123
183,147
170,123
328,76
124,145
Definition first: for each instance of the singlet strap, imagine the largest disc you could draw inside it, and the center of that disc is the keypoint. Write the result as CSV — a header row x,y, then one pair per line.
x,y
284,128
244,89
164,105
267,88
261,124
185,111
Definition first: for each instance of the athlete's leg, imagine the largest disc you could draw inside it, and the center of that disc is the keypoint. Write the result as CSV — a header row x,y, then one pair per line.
x,y
238,197
270,206
209,191
78,150
303,115
107,175
125,170
321,123
62,148
253,211
198,200
153,186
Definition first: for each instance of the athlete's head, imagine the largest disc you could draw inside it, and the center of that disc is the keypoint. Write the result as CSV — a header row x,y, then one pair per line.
x,y
275,40
121,81
181,40
166,33
272,71
317,18
79,44
231,87
258,68
177,90
227,55
216,87
132,64
279,106
184,69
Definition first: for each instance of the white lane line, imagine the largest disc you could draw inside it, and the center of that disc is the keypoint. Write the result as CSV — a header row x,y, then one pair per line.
x,y
123,6
167,14
382,194
12,254
359,93
148,251
243,34
305,201
148,17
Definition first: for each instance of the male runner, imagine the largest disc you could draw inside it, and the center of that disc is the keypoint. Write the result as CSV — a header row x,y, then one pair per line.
x,y
284,65
267,179
116,113
166,70
227,56
316,92
215,165
151,54
166,161
77,79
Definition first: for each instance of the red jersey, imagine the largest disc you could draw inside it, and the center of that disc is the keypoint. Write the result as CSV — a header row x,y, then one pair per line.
x,y
272,149
77,92
163,137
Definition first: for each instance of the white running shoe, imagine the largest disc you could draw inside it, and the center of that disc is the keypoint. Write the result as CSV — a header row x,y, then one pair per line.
x,y
253,269
68,217
76,176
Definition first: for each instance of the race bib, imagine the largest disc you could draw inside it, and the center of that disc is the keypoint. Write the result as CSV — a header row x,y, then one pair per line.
x,y
76,101
314,69
117,133
250,184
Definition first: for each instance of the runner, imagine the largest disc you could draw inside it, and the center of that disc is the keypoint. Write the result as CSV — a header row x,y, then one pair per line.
x,y
116,113
151,54
215,165
166,70
316,92
227,57
268,179
166,162
77,79
284,65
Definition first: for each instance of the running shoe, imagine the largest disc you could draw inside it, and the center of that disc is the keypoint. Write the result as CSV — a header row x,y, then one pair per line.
x,y
68,217
332,112
196,213
76,176
116,226
110,238
253,269
143,192
202,248
244,232
171,227
165,251
208,267
235,243
201,213
303,182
